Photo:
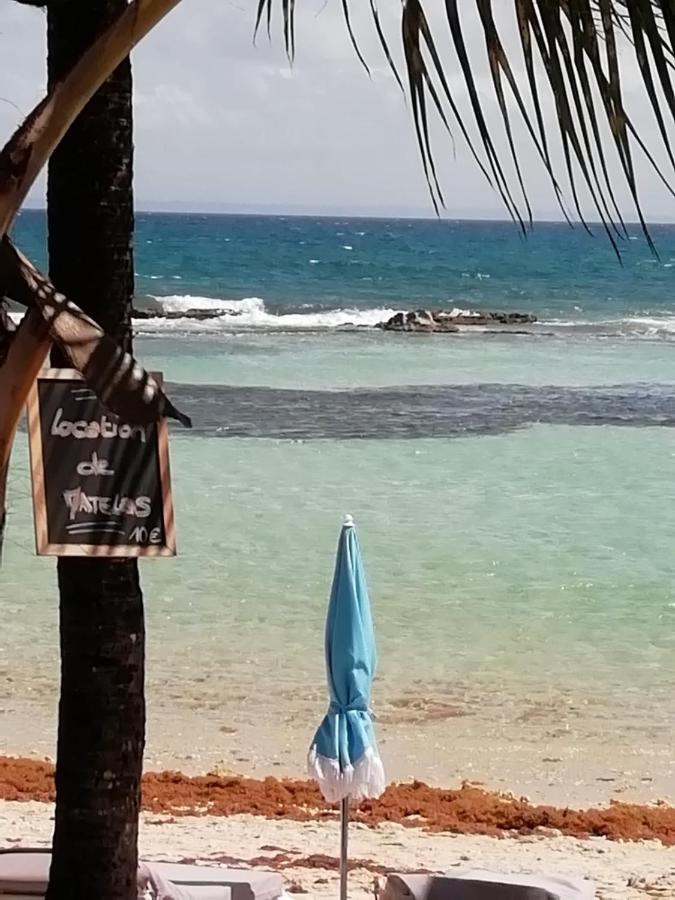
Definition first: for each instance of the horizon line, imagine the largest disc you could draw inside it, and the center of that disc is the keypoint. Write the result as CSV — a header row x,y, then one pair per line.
x,y
187,210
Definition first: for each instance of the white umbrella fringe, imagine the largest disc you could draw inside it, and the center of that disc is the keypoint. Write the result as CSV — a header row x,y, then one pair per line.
x,y
364,780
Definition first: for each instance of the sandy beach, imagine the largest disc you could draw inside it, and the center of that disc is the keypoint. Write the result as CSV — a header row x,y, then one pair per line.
x,y
283,825
306,852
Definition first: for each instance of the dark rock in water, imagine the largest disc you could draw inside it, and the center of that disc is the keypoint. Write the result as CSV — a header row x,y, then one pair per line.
x,y
418,320
199,314
444,321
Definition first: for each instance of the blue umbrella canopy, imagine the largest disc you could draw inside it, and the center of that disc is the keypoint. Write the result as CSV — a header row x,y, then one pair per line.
x,y
343,756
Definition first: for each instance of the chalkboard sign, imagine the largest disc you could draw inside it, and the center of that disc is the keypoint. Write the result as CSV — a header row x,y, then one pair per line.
x,y
100,487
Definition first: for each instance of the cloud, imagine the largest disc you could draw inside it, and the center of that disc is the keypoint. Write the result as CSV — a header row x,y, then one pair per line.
x,y
221,121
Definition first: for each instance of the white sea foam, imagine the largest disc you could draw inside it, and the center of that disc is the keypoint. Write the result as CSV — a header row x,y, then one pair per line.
x,y
654,324
178,303
249,314
467,313
636,326
579,323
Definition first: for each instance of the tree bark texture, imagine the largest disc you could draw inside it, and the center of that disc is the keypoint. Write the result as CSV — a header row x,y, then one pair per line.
x,y
102,707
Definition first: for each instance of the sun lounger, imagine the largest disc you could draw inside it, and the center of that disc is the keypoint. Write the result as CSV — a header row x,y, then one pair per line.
x,y
24,874
244,884
153,886
476,884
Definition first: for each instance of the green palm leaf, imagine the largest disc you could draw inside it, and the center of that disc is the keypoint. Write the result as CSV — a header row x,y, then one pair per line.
x,y
577,51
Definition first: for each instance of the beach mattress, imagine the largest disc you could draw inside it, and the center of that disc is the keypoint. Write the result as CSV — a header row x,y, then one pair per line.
x,y
478,884
244,884
26,873
153,886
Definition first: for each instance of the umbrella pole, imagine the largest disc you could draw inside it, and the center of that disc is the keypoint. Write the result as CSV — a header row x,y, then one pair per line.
x,y
344,866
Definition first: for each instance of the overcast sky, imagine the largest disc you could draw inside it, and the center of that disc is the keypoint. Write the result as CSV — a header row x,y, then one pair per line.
x,y
221,124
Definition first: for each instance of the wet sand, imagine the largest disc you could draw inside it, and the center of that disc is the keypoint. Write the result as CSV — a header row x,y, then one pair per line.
x,y
543,755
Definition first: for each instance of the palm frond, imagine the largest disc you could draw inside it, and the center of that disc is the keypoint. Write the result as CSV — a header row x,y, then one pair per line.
x,y
120,383
577,51
26,153
24,352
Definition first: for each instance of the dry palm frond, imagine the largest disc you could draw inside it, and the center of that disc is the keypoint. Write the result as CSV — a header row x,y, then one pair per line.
x,y
114,375
28,150
120,383
572,48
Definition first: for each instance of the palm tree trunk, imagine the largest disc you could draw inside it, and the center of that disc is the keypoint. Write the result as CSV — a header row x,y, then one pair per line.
x,y
102,707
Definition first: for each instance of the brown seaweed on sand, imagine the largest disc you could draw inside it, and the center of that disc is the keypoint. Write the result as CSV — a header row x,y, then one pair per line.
x,y
467,810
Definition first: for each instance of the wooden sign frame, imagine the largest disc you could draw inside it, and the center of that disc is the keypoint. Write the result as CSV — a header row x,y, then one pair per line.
x,y
42,543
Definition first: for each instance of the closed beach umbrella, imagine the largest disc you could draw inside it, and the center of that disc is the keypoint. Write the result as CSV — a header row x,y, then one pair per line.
x,y
343,756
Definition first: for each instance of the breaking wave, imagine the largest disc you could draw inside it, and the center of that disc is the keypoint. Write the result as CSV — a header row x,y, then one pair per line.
x,y
186,314
204,315
656,325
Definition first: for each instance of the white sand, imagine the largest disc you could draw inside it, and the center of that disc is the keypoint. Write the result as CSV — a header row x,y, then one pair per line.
x,y
620,870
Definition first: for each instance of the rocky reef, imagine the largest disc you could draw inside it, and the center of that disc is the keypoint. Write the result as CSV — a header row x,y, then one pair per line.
x,y
448,321
159,313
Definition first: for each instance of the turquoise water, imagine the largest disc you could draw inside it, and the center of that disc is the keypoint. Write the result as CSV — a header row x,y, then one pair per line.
x,y
343,361
514,496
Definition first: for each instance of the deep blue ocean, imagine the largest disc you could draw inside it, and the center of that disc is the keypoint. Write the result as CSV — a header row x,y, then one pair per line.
x,y
306,264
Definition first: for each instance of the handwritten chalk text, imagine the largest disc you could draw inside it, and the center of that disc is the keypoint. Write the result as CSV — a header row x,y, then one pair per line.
x,y
79,502
98,428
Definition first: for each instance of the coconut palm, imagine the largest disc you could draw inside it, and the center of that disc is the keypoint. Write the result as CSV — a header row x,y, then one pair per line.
x,y
101,724
577,51
102,633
